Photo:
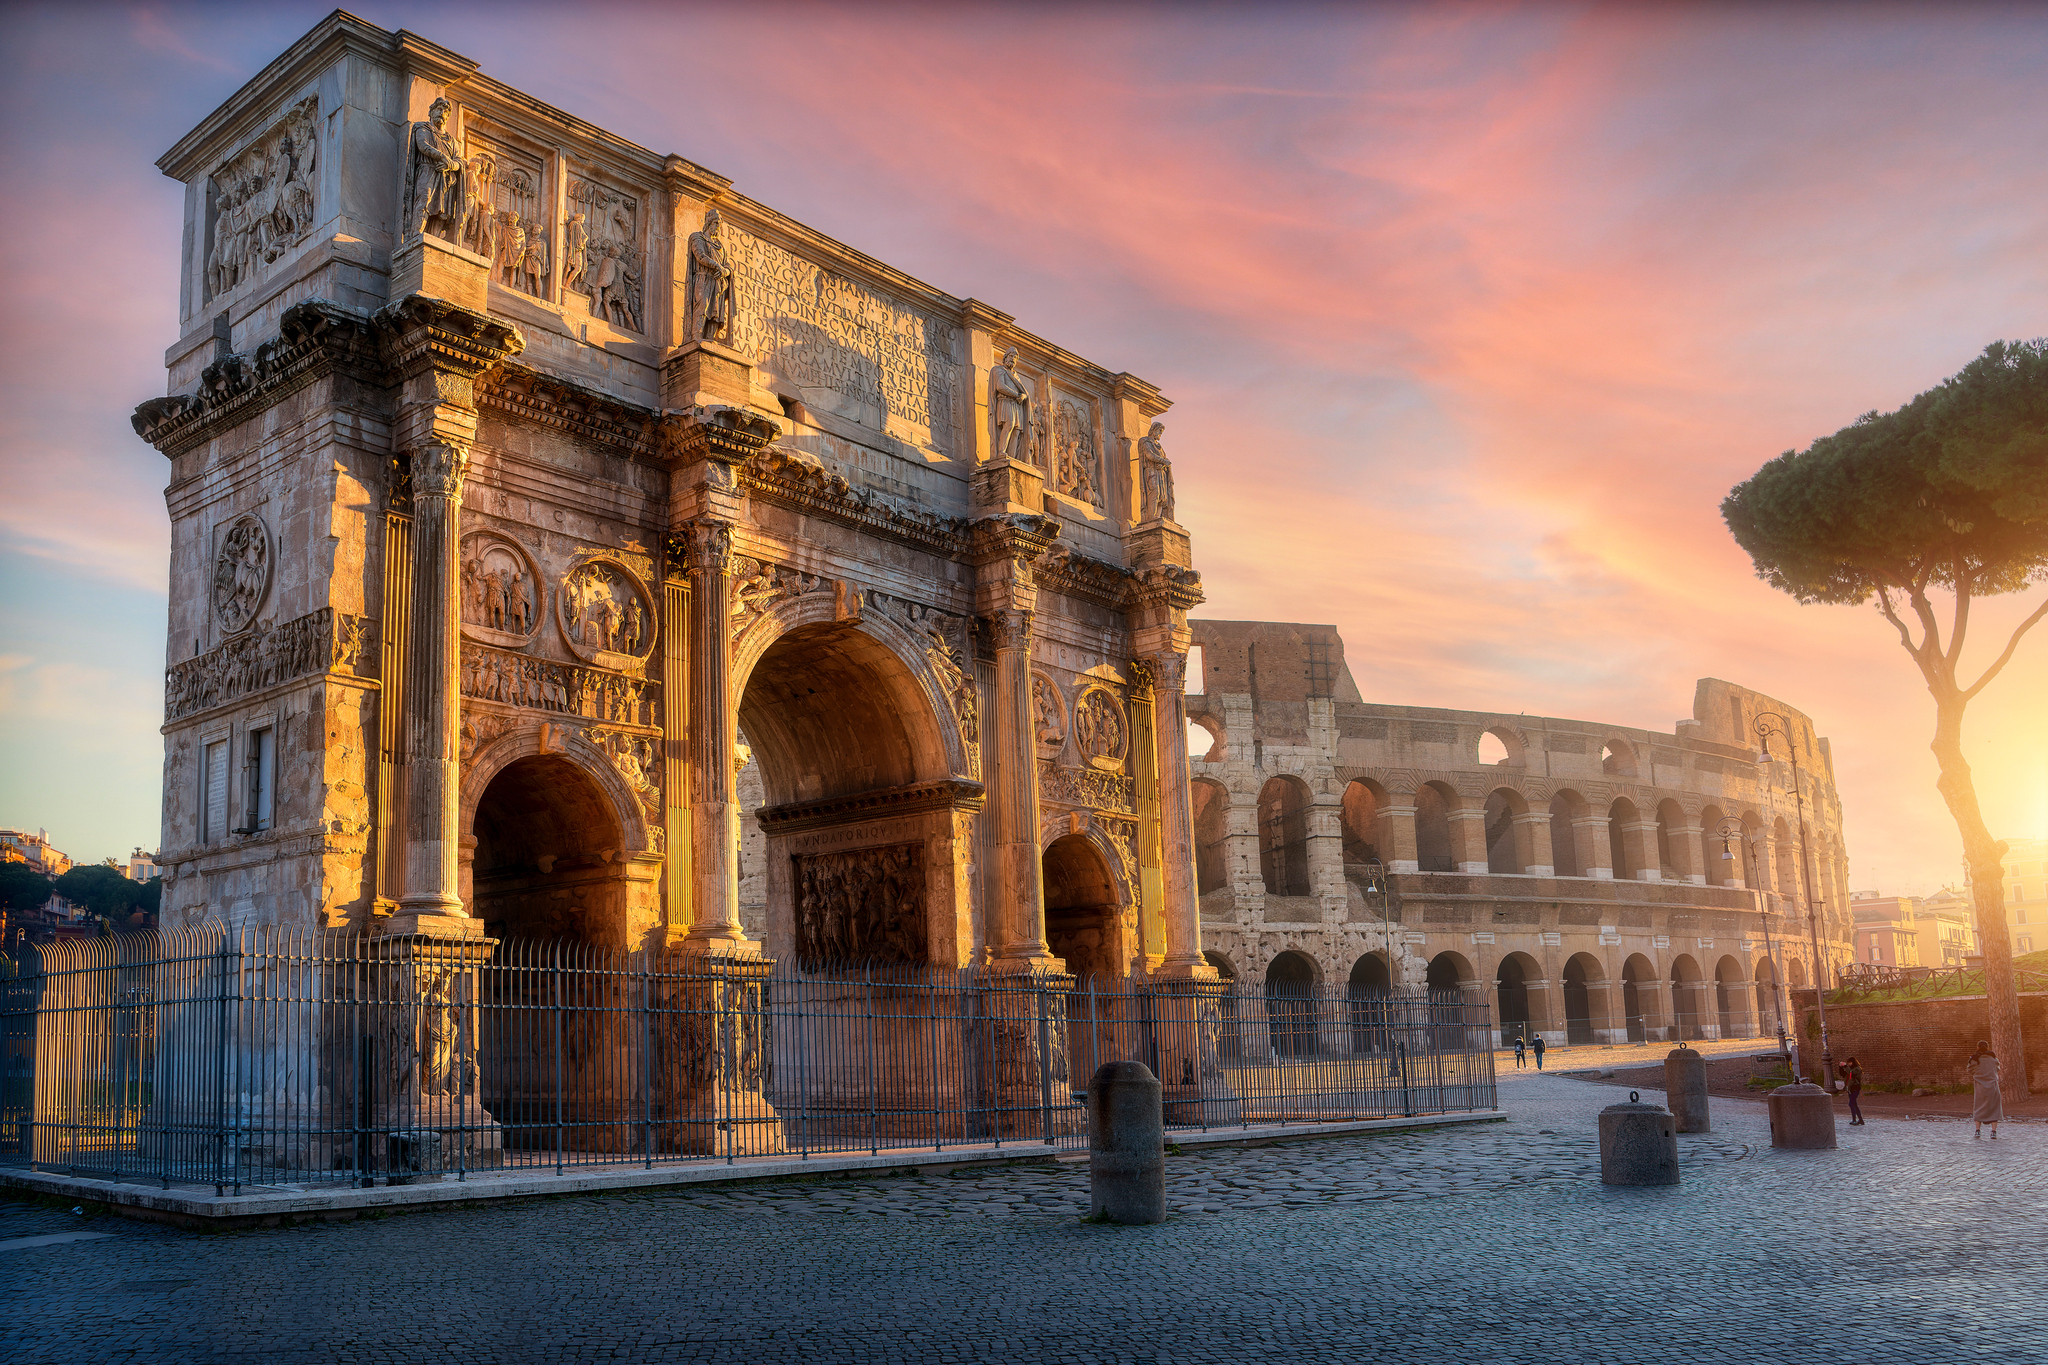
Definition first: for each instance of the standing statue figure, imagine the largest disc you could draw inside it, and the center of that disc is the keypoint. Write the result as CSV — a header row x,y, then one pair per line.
x,y
1157,473
1009,400
433,177
710,283
575,253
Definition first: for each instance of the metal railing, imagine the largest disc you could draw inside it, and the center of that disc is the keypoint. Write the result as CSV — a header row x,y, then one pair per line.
x,y
272,1057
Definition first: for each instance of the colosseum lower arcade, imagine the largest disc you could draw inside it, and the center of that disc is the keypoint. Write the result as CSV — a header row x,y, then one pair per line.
x,y
1573,874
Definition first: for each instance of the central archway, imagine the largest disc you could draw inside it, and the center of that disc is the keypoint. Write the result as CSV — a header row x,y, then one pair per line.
x,y
866,808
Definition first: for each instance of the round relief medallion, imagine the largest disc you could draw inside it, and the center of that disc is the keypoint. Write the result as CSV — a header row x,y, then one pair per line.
x,y
1048,716
1100,730
241,572
501,591
606,614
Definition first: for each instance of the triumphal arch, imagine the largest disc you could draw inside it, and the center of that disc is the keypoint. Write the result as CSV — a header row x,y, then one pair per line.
x,y
528,488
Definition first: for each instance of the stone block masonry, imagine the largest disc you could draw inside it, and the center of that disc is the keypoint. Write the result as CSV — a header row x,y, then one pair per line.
x,y
1923,1042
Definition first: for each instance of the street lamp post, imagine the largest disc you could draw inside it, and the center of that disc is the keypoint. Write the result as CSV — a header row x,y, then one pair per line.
x,y
1809,874
1731,830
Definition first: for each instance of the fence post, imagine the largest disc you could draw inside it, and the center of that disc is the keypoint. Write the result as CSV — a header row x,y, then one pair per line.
x,y
1044,1068
647,1057
220,1071
558,1058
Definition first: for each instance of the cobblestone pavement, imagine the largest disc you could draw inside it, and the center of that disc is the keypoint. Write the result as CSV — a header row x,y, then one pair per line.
x,y
1493,1243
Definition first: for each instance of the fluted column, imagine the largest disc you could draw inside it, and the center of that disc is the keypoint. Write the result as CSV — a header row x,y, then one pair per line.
x,y
1020,888
714,731
1176,816
433,695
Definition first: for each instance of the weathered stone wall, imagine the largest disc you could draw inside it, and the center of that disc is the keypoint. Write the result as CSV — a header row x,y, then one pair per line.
x,y
1581,855
1922,1042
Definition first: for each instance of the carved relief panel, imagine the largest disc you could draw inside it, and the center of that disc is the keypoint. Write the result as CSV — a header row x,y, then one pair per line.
x,y
758,585
265,199
861,906
1101,732
847,349
606,615
949,650
1076,455
1048,716
501,591
504,218
242,558
603,255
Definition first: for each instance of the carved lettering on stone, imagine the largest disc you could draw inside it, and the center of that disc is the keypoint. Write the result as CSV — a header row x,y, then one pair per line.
x,y
610,265
501,591
862,906
265,199
1048,716
241,572
847,349
1100,731
1077,462
565,689
606,614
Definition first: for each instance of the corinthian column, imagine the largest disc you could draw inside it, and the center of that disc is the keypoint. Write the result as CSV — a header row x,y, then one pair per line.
x,y
433,697
714,731
1020,886
1176,816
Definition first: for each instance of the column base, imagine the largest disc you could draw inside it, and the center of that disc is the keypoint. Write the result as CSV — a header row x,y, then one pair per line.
x,y
430,924
1188,1027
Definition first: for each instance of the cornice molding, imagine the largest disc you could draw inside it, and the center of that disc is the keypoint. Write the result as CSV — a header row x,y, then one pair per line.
x,y
801,484
950,794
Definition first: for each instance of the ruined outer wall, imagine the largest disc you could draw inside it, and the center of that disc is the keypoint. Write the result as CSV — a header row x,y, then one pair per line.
x,y
1496,861
1922,1042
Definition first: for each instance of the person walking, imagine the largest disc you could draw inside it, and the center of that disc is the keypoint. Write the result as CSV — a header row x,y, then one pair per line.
x,y
1521,1052
1990,1105
1851,1072
1539,1057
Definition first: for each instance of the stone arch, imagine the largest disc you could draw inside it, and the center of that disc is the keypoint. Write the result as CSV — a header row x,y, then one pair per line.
x,y
1503,844
1714,867
1795,974
1085,902
889,651
1728,993
1364,801
1671,852
546,854
1583,973
572,745
1767,1010
1517,1017
1785,858
1219,738
1211,809
1366,1002
1434,802
1226,970
1566,857
1291,1004
1449,971
1638,981
1283,835
1621,811
1617,757
1514,748
1688,1013
863,777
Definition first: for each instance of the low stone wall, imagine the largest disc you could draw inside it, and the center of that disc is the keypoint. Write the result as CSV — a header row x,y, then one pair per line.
x,y
1923,1042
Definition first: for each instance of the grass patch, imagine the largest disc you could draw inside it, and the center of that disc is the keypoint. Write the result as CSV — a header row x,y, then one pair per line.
x,y
1946,985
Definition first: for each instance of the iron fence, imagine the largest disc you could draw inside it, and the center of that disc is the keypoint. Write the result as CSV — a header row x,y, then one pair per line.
x,y
273,1057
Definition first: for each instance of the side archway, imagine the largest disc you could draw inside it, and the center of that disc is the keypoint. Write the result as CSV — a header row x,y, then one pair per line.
x,y
1291,1004
1211,802
1283,836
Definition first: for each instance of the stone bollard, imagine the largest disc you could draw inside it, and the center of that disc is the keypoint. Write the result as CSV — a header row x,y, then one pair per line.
x,y
1685,1089
1126,1145
1638,1144
1802,1116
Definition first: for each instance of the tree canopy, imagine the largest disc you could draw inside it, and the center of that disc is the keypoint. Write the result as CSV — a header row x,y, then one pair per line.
x,y
101,890
22,887
1950,491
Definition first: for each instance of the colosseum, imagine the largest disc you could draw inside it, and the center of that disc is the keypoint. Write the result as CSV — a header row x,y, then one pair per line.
x,y
1570,872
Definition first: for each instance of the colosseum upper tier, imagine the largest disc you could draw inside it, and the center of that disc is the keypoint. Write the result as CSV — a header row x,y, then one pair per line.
x,y
1577,875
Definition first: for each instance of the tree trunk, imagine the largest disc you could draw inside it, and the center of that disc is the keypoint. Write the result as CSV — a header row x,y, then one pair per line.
x,y
1987,884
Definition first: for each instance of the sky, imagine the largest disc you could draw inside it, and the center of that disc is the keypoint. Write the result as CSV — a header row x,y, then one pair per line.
x,y
1471,315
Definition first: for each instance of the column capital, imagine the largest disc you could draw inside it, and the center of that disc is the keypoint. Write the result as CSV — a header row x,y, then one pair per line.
x,y
706,544
1004,548
1011,628
439,468
1166,671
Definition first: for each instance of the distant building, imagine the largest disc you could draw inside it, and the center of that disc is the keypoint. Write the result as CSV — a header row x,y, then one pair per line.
x,y
1886,929
20,846
142,867
2026,894
1947,923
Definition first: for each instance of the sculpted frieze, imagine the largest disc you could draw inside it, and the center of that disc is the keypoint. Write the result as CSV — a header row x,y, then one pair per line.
x,y
1048,716
1077,460
265,199
948,648
848,349
861,906
318,642
501,591
606,614
241,572
1089,787
758,585
503,221
637,759
566,689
